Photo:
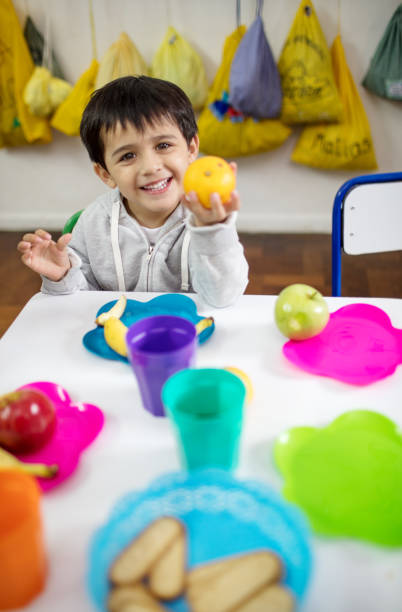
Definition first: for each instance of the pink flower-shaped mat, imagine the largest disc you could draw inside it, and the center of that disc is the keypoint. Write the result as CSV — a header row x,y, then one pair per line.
x,y
77,427
359,346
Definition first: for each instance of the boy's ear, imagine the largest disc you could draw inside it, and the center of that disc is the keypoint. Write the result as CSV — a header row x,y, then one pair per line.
x,y
193,148
104,175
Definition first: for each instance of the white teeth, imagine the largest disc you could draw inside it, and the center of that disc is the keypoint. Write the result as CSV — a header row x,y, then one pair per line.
x,y
156,186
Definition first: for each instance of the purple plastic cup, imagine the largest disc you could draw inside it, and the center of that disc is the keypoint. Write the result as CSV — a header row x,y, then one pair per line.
x,y
158,347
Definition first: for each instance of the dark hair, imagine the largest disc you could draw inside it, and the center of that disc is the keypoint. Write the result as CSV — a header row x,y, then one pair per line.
x,y
138,100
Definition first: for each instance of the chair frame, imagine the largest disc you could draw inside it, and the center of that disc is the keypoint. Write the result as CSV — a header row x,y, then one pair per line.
x,y
337,220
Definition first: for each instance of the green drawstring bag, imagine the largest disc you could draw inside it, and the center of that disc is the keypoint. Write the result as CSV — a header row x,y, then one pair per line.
x,y
36,45
384,76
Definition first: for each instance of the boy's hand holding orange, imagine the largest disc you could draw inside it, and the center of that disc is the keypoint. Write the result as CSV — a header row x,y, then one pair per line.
x,y
209,184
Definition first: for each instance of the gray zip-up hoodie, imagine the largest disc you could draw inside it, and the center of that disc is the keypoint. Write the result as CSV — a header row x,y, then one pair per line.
x,y
116,255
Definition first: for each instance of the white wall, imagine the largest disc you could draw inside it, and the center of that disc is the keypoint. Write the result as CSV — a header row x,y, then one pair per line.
x,y
42,185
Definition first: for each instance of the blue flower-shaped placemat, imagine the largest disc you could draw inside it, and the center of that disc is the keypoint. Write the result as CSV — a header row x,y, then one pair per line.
x,y
169,303
222,515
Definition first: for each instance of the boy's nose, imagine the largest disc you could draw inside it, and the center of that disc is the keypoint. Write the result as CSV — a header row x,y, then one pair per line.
x,y
151,163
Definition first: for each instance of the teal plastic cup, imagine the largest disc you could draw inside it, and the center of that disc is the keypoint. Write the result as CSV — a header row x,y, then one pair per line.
x,y
206,407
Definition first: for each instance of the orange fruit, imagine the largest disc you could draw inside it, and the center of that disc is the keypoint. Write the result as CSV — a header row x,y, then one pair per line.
x,y
210,174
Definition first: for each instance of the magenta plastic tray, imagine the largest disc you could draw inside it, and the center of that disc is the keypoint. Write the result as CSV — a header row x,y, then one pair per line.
x,y
77,427
359,346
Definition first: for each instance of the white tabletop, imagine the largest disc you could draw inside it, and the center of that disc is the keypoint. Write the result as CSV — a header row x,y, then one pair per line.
x,y
44,343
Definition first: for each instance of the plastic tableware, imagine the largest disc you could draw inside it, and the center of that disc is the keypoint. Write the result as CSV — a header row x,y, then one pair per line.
x,y
157,348
346,476
169,303
77,427
222,515
205,406
23,566
359,346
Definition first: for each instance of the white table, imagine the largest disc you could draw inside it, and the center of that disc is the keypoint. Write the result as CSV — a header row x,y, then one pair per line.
x,y
44,343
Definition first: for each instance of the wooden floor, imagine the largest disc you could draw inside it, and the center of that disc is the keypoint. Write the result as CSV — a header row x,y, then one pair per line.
x,y
275,260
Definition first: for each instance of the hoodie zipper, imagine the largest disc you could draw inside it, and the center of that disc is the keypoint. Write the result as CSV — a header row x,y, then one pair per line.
x,y
151,249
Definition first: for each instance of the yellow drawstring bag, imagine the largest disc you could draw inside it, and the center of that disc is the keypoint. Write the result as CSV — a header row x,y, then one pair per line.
x,y
121,59
44,93
227,133
17,125
178,62
308,85
347,145
67,117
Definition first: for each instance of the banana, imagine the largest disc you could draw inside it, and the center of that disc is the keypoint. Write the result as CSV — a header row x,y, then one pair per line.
x,y
203,324
245,380
7,460
116,311
115,335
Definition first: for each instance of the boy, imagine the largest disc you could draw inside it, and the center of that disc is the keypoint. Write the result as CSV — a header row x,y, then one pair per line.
x,y
144,234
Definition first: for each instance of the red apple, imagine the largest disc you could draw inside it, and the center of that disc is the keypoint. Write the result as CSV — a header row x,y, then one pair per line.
x,y
27,420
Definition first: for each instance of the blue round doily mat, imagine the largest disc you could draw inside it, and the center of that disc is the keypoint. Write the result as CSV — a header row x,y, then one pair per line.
x,y
223,516
169,303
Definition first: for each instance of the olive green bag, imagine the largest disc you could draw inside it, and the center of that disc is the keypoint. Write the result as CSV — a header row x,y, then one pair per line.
x,y
384,76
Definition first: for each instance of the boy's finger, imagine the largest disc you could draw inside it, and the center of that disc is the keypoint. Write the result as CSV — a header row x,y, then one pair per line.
x,y
31,238
215,198
63,241
43,234
217,208
26,258
233,165
192,197
23,246
234,200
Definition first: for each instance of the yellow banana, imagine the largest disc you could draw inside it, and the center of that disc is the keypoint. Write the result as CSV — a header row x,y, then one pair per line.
x,y
203,324
245,380
115,335
116,311
7,460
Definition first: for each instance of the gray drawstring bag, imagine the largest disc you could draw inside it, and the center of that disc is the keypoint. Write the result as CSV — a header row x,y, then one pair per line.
x,y
254,83
384,76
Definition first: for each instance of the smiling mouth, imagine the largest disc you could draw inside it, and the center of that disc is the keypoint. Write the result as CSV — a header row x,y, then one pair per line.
x,y
158,186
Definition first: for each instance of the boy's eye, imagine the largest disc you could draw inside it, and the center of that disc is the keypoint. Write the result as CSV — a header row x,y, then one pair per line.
x,y
163,145
127,156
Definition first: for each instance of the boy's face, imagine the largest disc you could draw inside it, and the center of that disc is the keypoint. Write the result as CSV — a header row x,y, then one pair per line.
x,y
148,168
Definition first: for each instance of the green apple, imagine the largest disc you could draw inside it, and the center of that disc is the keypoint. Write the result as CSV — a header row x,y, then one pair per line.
x,y
301,312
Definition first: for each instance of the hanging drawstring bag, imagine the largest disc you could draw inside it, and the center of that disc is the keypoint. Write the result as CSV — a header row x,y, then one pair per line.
x,y
120,60
17,125
223,130
67,117
178,62
347,145
44,93
384,76
36,45
308,85
255,84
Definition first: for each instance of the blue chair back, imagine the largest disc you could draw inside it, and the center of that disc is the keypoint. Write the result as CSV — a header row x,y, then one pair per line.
x,y
366,218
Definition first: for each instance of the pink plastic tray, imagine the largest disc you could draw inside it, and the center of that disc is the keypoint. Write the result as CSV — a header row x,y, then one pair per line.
x,y
359,346
77,427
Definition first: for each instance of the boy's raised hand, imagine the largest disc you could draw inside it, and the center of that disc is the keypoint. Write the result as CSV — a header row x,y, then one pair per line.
x,y
45,256
218,211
